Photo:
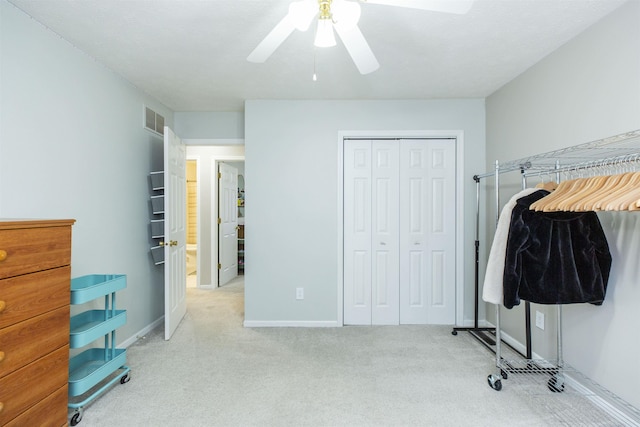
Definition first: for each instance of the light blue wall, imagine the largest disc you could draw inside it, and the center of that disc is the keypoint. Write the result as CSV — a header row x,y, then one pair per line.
x,y
291,150
586,90
209,125
72,146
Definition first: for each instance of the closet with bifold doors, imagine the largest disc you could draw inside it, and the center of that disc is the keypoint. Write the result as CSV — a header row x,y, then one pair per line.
x,y
399,231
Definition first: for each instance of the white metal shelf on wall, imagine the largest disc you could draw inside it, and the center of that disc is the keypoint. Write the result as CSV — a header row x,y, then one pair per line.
x,y
157,216
616,152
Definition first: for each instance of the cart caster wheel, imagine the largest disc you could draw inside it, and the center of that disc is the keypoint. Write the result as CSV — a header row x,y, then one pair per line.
x,y
494,383
556,384
75,419
454,332
125,379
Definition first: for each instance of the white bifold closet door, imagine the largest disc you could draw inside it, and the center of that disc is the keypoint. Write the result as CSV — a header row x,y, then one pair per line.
x,y
399,232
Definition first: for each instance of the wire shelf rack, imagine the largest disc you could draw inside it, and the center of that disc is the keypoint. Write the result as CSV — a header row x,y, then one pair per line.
x,y
604,151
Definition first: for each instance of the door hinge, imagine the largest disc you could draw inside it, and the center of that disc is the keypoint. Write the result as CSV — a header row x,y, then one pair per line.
x,y
219,266
219,175
219,220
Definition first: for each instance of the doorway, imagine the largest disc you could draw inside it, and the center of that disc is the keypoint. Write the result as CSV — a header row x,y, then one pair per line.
x,y
192,223
207,156
399,231
239,165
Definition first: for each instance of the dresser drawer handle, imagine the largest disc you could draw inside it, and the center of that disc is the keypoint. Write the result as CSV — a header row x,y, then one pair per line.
x,y
3,255
1,356
1,407
2,306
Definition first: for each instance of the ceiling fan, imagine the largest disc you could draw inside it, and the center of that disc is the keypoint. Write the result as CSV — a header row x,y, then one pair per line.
x,y
342,16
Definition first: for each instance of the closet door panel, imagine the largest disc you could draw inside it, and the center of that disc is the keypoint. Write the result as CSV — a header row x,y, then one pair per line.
x,y
414,207
427,238
385,240
357,233
438,284
416,273
441,225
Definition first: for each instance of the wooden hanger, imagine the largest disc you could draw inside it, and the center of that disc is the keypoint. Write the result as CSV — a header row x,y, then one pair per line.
x,y
614,199
561,189
549,185
624,201
629,201
608,186
635,206
576,185
602,192
590,185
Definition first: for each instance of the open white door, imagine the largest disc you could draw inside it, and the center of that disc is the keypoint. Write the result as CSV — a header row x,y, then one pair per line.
x,y
227,222
175,235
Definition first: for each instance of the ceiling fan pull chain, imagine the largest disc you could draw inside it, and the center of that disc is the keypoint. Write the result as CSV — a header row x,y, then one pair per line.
x,y
315,76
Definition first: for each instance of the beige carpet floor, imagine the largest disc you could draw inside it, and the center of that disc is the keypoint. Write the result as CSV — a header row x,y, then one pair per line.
x,y
214,372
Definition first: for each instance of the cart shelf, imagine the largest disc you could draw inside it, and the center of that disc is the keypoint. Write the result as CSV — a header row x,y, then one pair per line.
x,y
92,366
87,288
90,370
93,324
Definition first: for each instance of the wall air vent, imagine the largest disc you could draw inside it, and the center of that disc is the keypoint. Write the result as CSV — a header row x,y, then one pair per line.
x,y
153,121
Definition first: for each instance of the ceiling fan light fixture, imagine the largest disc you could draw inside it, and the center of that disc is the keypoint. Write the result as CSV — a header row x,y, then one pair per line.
x,y
324,34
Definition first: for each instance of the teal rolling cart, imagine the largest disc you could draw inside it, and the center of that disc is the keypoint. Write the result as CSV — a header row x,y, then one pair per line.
x,y
95,370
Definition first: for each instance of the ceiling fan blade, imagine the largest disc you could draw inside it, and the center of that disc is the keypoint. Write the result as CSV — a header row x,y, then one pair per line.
x,y
447,6
300,15
269,44
358,48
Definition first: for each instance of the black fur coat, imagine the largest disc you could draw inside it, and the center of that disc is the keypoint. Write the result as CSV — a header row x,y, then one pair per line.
x,y
555,257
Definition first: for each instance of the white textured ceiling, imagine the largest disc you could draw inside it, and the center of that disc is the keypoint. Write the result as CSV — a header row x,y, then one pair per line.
x,y
191,54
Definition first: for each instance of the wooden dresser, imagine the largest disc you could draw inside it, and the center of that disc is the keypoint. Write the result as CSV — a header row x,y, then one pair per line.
x,y
35,275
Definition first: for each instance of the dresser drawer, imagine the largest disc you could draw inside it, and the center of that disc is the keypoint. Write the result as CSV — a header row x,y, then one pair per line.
x,y
25,250
24,342
51,412
25,387
30,295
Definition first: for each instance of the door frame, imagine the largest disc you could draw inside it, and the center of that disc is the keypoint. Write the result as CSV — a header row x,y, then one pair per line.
x,y
210,151
458,136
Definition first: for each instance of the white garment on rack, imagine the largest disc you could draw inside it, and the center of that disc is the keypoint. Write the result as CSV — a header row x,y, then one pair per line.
x,y
492,289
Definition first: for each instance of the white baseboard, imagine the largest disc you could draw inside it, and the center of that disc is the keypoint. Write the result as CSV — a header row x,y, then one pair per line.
x,y
470,323
611,406
514,343
291,324
141,333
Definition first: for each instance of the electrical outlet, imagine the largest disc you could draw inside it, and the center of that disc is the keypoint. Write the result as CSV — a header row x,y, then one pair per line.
x,y
540,320
299,293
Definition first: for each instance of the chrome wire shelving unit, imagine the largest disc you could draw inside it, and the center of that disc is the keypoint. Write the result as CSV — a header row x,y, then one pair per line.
x,y
616,154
